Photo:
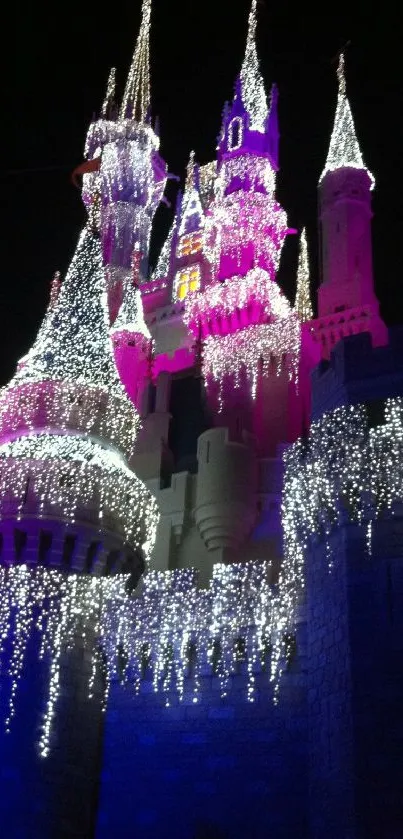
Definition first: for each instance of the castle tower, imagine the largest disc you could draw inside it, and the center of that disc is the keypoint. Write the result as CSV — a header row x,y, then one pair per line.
x,y
72,515
125,169
247,326
248,331
129,174
346,298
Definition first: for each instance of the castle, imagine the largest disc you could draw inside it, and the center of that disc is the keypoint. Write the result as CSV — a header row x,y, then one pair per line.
x,y
201,521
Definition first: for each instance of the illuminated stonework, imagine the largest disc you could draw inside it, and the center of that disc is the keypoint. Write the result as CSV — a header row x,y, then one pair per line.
x,y
344,469
159,632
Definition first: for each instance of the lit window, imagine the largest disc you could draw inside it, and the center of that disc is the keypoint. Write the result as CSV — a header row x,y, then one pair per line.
x,y
190,243
187,281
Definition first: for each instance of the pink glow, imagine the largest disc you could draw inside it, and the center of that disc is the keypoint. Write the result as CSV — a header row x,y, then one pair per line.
x,y
223,308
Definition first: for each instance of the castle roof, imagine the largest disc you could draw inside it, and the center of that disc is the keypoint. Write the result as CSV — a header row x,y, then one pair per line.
x,y
344,150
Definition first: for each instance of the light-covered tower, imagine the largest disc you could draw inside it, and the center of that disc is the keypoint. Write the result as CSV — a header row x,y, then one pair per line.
x,y
247,326
346,298
248,332
129,174
73,518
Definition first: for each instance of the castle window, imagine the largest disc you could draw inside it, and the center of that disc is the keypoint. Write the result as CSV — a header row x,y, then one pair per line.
x,y
235,134
187,281
190,243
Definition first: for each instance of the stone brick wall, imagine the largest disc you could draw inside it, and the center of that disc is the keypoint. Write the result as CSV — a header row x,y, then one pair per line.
x,y
221,769
56,797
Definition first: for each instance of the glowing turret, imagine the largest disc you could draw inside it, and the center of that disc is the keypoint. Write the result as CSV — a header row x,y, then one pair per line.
x,y
346,297
131,176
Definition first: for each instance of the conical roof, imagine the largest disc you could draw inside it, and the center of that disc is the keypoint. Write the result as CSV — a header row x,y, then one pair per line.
x,y
73,343
131,315
344,150
253,92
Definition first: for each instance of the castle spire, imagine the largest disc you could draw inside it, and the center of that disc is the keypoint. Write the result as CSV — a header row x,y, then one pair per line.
x,y
190,172
110,93
73,343
303,305
253,92
137,97
344,150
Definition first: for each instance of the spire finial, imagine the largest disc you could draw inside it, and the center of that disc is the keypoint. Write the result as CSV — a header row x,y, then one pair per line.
x,y
110,92
190,171
341,75
253,92
303,305
137,97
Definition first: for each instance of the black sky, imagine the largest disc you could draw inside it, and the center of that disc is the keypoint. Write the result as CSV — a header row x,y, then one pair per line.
x,y
56,59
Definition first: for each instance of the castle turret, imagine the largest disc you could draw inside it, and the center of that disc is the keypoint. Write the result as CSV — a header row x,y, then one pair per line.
x,y
346,298
72,514
131,175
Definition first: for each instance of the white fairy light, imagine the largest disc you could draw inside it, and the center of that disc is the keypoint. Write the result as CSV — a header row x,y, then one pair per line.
x,y
303,304
110,92
344,150
253,92
130,319
344,468
244,219
258,350
137,96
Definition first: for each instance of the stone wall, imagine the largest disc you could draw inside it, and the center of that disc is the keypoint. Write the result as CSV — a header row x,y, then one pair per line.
x,y
220,769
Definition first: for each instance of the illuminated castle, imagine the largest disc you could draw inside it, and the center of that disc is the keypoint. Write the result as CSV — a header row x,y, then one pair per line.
x,y
200,613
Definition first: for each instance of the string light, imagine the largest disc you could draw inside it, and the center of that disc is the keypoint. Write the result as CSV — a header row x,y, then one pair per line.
x,y
344,149
247,326
253,92
130,320
137,96
162,267
344,469
245,220
170,618
207,177
110,93
257,350
303,305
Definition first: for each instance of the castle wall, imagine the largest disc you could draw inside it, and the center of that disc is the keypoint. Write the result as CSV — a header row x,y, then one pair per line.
x,y
56,796
355,682
220,769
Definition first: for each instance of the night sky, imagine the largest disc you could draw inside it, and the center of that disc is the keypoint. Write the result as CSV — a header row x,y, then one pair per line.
x,y
55,66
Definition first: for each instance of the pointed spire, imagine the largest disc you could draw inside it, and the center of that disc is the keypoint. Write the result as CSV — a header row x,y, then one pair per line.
x,y
73,343
161,270
190,172
344,150
137,96
110,93
303,305
253,92
130,318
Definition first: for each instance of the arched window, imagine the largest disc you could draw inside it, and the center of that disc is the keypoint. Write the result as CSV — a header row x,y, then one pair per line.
x,y
235,132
